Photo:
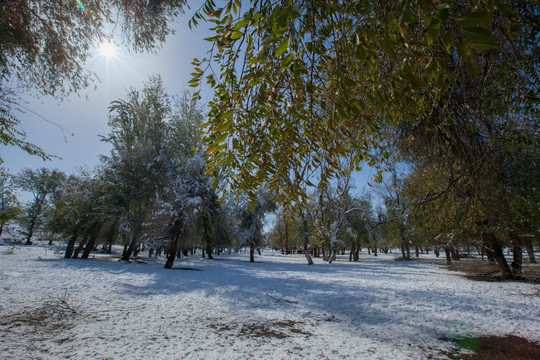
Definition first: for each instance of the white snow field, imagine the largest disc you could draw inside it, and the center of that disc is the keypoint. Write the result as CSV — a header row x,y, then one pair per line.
x,y
276,308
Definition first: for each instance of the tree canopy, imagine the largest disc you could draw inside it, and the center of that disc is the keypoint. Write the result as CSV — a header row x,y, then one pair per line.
x,y
300,84
44,45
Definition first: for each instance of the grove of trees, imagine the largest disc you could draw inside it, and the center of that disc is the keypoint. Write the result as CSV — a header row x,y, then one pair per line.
x,y
305,93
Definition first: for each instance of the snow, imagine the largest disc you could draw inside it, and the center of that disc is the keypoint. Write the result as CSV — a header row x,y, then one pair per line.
x,y
276,308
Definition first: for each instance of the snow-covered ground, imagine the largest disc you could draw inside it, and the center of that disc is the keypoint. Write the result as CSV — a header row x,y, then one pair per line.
x,y
276,308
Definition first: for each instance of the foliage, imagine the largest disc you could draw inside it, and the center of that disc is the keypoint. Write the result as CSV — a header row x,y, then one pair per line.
x,y
9,204
298,85
44,45
42,184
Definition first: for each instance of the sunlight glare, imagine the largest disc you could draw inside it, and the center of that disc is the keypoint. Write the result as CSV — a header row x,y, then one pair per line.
x,y
107,49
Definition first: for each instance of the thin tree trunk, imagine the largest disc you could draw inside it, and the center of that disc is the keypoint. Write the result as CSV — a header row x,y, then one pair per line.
x,y
70,246
89,247
530,251
287,250
306,240
517,262
494,246
133,244
448,253
171,253
80,247
251,252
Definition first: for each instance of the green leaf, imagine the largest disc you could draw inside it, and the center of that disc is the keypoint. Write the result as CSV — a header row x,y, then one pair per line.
x,y
462,49
225,126
481,37
482,47
282,47
221,138
240,24
286,61
433,31
471,65
227,115
236,35
448,40
479,18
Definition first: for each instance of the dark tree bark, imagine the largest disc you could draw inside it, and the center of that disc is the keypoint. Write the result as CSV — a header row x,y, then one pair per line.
x,y
517,262
287,249
80,247
530,250
495,247
487,249
89,247
70,246
251,252
171,253
448,254
176,232
306,240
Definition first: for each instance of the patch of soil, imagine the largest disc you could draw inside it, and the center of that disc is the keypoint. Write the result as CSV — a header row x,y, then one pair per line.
x,y
261,330
508,347
479,270
274,329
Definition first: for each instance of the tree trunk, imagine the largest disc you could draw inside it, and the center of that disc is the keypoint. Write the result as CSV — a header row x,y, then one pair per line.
x,y
530,250
306,240
171,253
70,246
133,244
417,251
486,247
89,247
287,250
495,247
448,254
80,247
455,253
252,252
517,255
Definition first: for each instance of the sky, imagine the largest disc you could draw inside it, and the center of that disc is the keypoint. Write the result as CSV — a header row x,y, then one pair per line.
x,y
80,119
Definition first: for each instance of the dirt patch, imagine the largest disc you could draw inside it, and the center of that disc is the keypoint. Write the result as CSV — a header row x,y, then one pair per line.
x,y
273,329
495,348
479,270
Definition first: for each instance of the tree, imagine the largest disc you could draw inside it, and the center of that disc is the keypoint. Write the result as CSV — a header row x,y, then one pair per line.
x,y
153,136
44,45
251,222
298,85
9,205
42,183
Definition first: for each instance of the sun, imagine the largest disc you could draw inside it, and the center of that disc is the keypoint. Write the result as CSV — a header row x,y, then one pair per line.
x,y
107,49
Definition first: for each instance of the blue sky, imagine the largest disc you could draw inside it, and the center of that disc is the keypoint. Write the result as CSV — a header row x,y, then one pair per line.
x,y
85,115
82,117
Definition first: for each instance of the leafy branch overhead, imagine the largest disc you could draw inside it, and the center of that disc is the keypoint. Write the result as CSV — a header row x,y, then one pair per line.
x,y
301,85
